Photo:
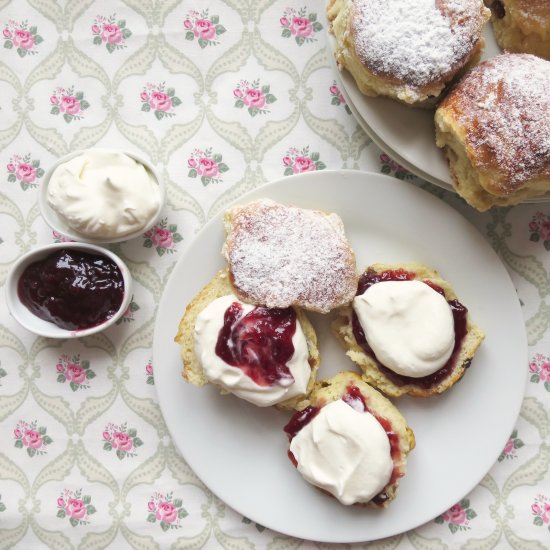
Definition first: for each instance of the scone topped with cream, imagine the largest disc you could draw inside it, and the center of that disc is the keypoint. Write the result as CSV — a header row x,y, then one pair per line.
x,y
350,441
407,330
407,50
281,256
266,356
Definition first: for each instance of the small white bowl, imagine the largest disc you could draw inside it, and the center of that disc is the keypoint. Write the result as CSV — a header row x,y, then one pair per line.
x,y
46,328
59,225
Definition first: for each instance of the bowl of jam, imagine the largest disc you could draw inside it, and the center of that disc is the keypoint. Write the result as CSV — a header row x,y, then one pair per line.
x,y
68,290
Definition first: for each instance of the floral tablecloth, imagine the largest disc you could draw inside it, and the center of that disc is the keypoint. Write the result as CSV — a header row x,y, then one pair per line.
x,y
221,96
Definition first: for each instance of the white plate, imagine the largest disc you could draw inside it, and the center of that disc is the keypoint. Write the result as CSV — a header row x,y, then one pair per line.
x,y
239,451
406,134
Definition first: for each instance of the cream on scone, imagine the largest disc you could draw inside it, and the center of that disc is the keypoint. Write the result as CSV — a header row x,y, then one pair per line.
x,y
350,441
407,330
266,356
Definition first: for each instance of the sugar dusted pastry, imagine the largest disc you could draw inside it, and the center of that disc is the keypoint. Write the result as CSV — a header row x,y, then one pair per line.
x,y
282,256
495,129
350,441
407,330
407,50
522,26
267,356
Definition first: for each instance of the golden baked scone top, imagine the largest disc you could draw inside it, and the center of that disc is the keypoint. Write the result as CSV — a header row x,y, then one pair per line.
x,y
282,256
418,42
501,109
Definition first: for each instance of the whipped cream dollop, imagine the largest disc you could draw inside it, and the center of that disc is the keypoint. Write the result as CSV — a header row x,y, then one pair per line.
x,y
233,379
345,452
408,325
104,193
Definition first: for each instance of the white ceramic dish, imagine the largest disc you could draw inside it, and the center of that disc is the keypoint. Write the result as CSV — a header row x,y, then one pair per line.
x,y
59,225
239,451
406,134
44,328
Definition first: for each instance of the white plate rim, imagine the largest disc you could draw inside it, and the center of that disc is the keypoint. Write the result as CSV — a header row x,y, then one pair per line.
x,y
167,364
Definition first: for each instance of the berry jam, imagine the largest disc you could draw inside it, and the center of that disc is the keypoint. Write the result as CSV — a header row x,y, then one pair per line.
x,y
259,343
497,7
356,400
460,325
72,289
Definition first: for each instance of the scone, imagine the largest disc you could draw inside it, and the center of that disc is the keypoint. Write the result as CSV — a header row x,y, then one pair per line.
x,y
522,26
267,356
281,256
407,330
350,441
495,129
409,51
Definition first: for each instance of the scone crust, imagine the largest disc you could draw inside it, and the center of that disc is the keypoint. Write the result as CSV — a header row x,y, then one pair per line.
x,y
192,370
495,128
281,256
378,74
522,26
332,389
342,328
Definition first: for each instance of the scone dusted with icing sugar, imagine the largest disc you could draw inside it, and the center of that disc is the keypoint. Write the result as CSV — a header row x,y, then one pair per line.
x,y
350,441
267,356
407,330
281,256
407,50
522,26
494,127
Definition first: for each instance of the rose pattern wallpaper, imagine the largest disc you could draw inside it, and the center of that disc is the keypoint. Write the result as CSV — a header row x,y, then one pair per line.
x,y
221,97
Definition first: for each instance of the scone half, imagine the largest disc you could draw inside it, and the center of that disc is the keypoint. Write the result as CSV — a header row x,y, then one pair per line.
x,y
193,369
350,441
468,336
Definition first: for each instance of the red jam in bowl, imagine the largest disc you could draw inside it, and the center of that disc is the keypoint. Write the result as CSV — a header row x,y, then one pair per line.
x,y
74,290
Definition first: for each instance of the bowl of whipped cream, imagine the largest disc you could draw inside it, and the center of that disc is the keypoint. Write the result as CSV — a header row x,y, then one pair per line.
x,y
101,195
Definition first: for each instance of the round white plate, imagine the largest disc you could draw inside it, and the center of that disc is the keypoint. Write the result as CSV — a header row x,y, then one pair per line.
x,y
239,451
406,134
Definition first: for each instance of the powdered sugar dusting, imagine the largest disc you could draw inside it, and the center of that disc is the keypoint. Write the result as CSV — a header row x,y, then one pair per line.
x,y
416,41
504,106
282,255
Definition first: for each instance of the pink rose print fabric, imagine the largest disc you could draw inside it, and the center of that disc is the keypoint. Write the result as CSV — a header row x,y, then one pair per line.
x,y
128,315
75,507
158,99
207,165
162,237
111,32
25,170
19,36
509,451
253,96
59,238
150,375
458,516
301,25
297,161
166,510
122,440
337,98
32,438
390,167
203,27
69,103
539,367
75,371
539,228
541,511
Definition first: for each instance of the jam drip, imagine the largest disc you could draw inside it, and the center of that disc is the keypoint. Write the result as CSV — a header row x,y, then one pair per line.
x,y
73,289
259,343
497,7
356,400
460,326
